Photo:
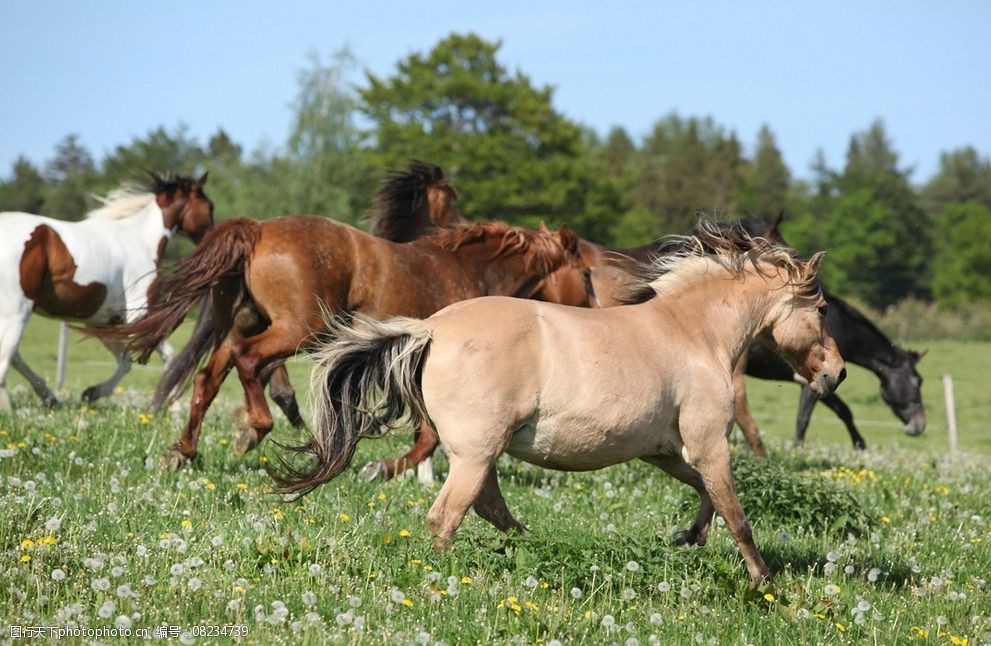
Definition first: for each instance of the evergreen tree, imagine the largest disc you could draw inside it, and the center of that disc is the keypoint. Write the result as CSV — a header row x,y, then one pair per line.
x,y
70,175
498,137
963,176
767,180
25,190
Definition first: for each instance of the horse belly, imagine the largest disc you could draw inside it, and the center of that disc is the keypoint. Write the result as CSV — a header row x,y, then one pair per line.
x,y
582,444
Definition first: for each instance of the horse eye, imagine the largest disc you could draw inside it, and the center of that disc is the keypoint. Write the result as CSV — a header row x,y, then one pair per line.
x,y
823,309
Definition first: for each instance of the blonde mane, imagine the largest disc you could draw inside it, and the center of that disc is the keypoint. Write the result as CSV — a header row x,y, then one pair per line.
x,y
728,246
122,203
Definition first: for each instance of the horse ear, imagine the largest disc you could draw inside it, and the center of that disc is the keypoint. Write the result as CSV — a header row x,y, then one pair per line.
x,y
568,239
812,266
543,227
781,216
201,181
917,356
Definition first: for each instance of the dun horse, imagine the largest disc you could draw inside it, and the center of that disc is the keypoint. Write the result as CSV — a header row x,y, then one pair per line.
x,y
578,389
270,280
95,272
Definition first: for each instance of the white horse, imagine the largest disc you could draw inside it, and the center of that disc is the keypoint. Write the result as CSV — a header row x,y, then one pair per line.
x,y
93,272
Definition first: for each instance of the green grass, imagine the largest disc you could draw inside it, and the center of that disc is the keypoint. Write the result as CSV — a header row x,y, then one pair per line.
x,y
888,546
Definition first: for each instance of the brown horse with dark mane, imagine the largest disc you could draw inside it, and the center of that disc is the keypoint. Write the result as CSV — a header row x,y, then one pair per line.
x,y
272,281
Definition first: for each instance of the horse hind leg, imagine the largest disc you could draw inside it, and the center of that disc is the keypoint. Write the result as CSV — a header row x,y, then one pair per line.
x,y
284,395
97,391
425,444
465,481
252,357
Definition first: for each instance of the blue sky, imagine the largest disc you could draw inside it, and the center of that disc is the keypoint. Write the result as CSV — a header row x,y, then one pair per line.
x,y
814,72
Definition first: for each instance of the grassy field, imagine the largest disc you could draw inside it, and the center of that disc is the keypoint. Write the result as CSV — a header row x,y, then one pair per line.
x,y
887,546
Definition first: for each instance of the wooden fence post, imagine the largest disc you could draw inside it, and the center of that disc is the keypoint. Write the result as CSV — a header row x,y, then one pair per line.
x,y
63,352
951,414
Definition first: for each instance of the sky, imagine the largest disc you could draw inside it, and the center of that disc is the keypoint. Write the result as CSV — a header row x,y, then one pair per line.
x,y
815,72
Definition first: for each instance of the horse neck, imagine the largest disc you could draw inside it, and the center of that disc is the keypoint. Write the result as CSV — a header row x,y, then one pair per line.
x,y
144,232
860,342
506,274
726,313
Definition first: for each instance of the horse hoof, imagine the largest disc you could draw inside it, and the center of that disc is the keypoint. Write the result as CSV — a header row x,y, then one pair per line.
x,y
50,402
173,460
688,537
372,471
90,395
245,440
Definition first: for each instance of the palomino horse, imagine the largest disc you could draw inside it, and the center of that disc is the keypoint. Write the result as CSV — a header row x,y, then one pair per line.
x,y
408,205
270,280
578,389
95,272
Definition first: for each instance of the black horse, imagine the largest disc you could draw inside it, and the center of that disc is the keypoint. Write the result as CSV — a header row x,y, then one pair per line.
x,y
861,343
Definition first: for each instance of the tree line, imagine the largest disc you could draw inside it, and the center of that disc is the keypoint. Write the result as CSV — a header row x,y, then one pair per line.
x,y
514,157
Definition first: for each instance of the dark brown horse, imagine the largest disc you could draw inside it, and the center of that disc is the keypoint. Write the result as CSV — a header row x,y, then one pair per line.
x,y
270,281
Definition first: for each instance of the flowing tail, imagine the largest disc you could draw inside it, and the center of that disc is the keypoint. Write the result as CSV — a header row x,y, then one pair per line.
x,y
180,370
224,251
366,376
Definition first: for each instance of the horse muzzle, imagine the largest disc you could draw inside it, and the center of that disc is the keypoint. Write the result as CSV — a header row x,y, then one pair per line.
x,y
825,383
916,425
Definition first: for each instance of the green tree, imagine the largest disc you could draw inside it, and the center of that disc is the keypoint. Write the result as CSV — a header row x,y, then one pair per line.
x,y
879,239
509,152
160,151
766,185
25,190
687,166
70,174
963,176
325,167
962,267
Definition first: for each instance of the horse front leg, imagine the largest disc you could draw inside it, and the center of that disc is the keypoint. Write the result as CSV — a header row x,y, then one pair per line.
x,y
425,442
41,388
93,393
206,384
706,449
284,395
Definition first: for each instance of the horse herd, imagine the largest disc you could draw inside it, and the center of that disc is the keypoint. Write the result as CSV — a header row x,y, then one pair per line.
x,y
485,338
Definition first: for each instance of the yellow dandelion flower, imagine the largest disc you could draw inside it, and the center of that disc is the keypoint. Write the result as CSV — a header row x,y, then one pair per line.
x,y
532,606
404,533
27,544
387,539
47,540
885,520
25,558
223,441
21,445
921,632
588,614
186,523
768,597
511,599
466,579
416,561
165,535
840,627
408,603
238,589
427,568
343,517
517,608
210,485
277,514
544,585
959,641
382,495
243,486
263,458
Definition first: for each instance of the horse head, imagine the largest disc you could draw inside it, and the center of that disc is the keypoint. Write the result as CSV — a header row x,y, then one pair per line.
x,y
798,329
571,283
901,390
413,202
185,207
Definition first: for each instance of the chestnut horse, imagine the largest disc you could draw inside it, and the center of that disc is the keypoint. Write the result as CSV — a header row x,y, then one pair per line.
x,y
270,281
577,389
95,272
408,205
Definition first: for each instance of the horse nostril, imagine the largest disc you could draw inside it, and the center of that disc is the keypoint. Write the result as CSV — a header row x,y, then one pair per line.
x,y
842,377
